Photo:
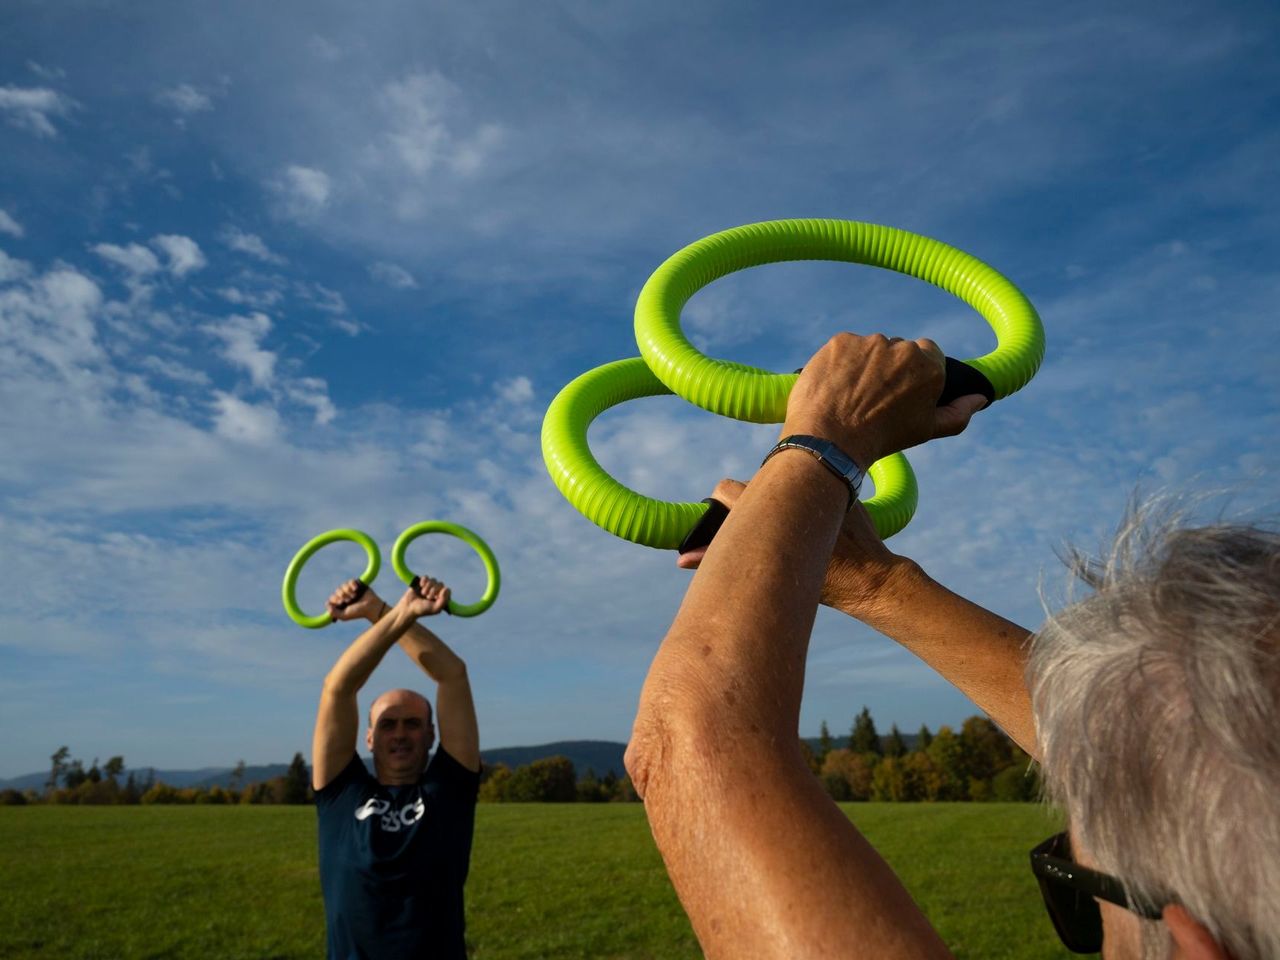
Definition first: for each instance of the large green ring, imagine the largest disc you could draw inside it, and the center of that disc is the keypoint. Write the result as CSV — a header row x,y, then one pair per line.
x,y
660,523
462,533
289,589
747,393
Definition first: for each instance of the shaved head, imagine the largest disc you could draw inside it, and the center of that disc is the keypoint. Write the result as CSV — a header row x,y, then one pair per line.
x,y
399,698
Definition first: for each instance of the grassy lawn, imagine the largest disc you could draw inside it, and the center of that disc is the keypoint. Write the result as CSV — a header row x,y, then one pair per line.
x,y
563,881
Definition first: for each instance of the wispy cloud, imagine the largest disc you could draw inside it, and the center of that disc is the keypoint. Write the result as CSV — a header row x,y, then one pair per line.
x,y
254,424
34,108
249,243
393,276
135,259
184,253
241,338
185,99
301,193
10,226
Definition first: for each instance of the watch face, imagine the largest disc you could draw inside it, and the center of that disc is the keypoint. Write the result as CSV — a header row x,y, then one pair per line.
x,y
838,459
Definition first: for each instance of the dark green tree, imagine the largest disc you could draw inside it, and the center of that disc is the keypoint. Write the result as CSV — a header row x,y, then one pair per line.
x,y
952,779
297,781
75,775
923,738
549,780
863,738
94,775
237,775
113,768
894,745
986,749
58,768
824,742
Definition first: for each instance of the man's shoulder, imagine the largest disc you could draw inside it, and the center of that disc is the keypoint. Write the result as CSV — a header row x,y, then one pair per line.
x,y
354,777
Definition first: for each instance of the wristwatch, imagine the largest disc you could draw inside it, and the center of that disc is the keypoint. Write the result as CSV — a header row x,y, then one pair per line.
x,y
829,455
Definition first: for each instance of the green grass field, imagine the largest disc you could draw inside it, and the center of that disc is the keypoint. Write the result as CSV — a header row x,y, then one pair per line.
x,y
563,881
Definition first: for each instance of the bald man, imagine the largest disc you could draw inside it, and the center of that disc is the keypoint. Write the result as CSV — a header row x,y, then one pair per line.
x,y
395,845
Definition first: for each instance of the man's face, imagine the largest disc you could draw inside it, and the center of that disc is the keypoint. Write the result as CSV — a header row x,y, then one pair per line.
x,y
400,735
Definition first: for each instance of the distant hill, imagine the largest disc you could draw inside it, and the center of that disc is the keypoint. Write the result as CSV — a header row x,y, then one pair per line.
x,y
600,756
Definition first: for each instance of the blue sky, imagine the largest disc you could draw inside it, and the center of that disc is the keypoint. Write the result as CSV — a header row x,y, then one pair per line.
x,y
268,269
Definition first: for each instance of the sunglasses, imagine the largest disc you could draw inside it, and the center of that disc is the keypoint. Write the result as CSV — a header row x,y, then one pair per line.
x,y
1069,892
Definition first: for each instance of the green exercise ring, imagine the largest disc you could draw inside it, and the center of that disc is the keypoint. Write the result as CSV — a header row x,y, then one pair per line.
x,y
659,523
748,393
462,533
289,589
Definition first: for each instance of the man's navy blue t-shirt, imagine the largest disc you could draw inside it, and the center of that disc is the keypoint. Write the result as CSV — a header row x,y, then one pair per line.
x,y
393,861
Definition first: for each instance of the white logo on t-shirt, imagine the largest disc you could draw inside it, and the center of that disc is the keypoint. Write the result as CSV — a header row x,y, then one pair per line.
x,y
390,820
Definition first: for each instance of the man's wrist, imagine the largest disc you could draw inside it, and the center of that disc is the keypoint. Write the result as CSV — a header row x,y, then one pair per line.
x,y
875,591
827,453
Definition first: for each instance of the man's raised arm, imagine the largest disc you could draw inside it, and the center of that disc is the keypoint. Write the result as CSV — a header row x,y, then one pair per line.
x,y
715,749
455,705
982,654
338,720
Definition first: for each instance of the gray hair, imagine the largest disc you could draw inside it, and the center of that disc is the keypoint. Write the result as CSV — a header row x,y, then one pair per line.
x,y
1157,703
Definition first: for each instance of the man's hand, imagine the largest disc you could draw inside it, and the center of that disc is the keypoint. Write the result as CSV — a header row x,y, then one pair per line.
x,y
860,566
873,396
427,600
343,606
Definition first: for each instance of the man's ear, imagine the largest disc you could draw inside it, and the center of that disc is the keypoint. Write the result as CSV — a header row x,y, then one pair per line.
x,y
1192,940
368,739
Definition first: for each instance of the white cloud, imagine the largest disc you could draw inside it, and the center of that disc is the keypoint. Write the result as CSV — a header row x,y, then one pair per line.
x,y
185,99
234,419
249,243
46,73
9,225
517,390
324,48
301,193
314,393
135,259
175,371
393,276
50,318
12,269
425,110
184,253
32,107
258,299
241,346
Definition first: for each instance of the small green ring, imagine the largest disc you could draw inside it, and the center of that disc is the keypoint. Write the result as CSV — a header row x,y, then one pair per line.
x,y
462,533
289,589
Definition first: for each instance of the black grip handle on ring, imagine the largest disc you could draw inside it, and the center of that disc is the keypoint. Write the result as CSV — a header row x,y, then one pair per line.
x,y
962,380
416,582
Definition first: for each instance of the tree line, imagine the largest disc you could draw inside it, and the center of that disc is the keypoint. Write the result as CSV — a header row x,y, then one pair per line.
x,y
977,763
71,782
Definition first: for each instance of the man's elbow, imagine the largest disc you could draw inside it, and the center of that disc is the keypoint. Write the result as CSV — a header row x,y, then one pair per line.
x,y
338,686
667,742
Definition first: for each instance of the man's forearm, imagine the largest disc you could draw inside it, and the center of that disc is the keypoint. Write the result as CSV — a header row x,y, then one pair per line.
x,y
982,654
432,654
716,754
359,660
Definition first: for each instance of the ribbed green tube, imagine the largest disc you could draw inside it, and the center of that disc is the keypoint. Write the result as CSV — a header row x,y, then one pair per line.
x,y
659,523
747,393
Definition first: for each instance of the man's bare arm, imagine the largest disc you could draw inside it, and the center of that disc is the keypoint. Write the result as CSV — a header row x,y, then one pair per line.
x,y
455,705
982,654
337,720
715,749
